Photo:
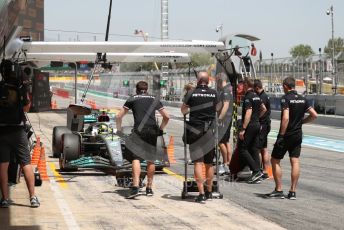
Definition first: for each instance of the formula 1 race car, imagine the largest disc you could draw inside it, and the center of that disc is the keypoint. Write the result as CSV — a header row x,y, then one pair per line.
x,y
90,141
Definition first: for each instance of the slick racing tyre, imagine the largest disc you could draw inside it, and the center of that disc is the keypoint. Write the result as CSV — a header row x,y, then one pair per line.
x,y
70,151
58,131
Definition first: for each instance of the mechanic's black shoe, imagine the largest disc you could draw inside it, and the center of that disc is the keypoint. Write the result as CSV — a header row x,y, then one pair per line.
x,y
291,195
265,176
4,203
133,192
200,199
208,195
275,194
254,177
149,192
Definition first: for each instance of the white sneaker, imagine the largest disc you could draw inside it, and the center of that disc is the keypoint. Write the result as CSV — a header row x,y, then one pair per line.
x,y
221,169
227,171
34,202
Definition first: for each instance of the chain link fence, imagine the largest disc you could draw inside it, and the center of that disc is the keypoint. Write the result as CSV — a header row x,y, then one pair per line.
x,y
314,74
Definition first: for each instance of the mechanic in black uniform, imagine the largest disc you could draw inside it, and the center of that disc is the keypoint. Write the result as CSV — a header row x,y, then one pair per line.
x,y
14,101
225,121
252,110
293,109
141,144
201,102
265,127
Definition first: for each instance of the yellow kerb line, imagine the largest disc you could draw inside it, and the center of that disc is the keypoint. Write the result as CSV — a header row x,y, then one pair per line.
x,y
58,178
169,172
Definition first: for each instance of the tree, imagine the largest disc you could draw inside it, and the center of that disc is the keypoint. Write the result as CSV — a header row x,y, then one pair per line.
x,y
301,51
338,46
136,66
198,59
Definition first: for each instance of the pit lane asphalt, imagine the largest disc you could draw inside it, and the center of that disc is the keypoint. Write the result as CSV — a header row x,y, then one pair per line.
x,y
320,194
90,199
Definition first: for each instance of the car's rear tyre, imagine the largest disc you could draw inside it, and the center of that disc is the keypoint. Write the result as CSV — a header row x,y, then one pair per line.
x,y
58,132
70,151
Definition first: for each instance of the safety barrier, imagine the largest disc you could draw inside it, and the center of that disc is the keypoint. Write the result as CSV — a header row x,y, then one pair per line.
x,y
61,92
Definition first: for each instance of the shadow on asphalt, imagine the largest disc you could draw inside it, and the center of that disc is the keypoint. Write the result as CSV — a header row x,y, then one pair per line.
x,y
261,195
121,192
80,173
65,180
5,222
21,205
124,192
190,198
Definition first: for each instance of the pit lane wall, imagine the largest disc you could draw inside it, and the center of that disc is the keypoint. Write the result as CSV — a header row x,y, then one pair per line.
x,y
323,104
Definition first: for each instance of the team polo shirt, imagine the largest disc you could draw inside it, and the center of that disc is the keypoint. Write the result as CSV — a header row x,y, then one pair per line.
x,y
297,106
143,107
266,101
202,103
251,101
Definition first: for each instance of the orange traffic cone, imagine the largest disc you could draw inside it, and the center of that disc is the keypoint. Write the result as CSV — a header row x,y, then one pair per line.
x,y
269,172
36,152
90,103
35,155
42,166
53,104
94,106
170,151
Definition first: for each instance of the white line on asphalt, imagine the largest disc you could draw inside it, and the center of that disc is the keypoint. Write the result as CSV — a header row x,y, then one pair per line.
x,y
64,207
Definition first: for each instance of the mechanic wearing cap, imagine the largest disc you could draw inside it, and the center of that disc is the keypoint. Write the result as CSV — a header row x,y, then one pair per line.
x,y
252,109
265,127
14,101
201,102
293,109
141,145
225,121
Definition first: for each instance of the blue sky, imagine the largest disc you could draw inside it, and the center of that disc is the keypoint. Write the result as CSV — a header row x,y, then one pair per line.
x,y
280,24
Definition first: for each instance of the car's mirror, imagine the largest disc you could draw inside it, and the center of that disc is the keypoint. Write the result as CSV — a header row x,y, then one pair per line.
x,y
80,109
